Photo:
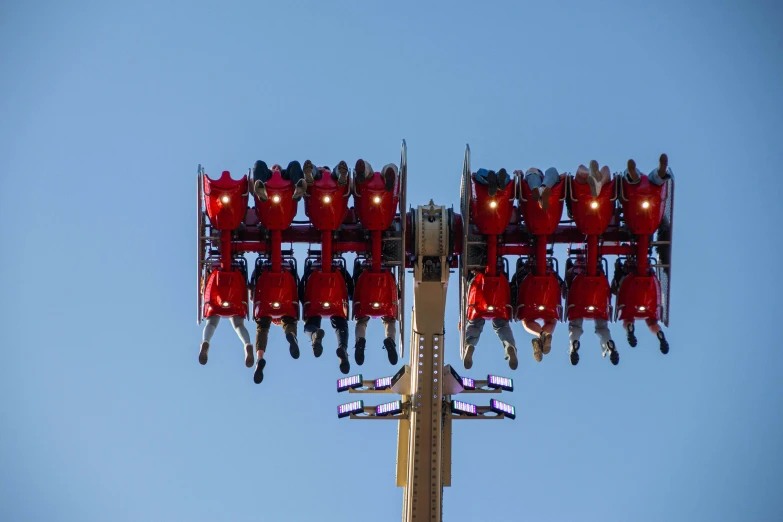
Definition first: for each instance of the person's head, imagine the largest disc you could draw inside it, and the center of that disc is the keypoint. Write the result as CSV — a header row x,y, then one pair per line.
x,y
276,167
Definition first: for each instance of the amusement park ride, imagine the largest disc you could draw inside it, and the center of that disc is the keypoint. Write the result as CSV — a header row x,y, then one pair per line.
x,y
632,221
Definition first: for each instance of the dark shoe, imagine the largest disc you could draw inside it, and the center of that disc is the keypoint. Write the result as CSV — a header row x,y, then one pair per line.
x,y
293,344
663,164
258,374
632,172
361,171
299,190
345,365
631,336
614,355
502,179
358,349
249,358
389,178
203,354
492,182
573,353
308,172
391,350
664,343
260,190
318,347
467,362
342,173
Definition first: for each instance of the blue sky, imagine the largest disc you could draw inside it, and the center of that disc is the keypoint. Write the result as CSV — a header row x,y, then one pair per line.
x,y
108,107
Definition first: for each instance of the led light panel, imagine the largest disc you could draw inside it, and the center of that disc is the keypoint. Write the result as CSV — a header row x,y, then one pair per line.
x,y
383,383
468,383
345,410
501,407
504,383
354,381
389,408
463,407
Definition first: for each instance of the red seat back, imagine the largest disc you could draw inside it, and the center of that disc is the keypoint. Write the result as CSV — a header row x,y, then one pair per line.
x,y
225,294
538,297
327,203
375,295
538,220
592,215
644,207
375,207
326,294
225,200
279,210
639,297
589,297
489,297
275,295
491,215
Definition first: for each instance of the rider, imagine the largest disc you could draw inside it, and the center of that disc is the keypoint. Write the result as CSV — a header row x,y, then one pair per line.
x,y
541,184
593,176
634,175
494,180
262,173
340,173
542,340
575,330
620,271
473,330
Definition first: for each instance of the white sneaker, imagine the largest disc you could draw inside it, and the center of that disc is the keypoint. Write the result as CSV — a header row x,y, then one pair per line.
x,y
511,356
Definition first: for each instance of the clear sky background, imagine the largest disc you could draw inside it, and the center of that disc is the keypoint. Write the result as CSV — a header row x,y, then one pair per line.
x,y
106,109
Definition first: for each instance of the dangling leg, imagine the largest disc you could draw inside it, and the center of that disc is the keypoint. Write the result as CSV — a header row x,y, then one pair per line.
x,y
390,330
262,337
289,329
655,328
506,336
630,332
363,171
632,174
361,339
533,327
261,175
607,345
209,331
239,327
341,171
308,172
502,179
295,174
389,176
472,335
574,334
546,334
340,325
312,329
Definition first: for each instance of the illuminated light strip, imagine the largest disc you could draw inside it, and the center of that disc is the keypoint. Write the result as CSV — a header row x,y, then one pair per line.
x,y
383,383
344,410
501,407
464,407
389,408
504,383
354,381
468,383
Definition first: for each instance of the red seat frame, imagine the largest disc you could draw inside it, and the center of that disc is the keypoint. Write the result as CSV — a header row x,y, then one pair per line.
x,y
538,220
326,295
489,297
639,297
279,210
225,200
539,297
589,220
326,203
634,197
375,288
589,297
489,220
225,286
375,207
275,288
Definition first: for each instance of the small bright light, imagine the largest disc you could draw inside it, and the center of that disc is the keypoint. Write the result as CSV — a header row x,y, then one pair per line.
x,y
493,204
327,199
275,199
225,199
645,204
590,308
376,199
541,307
490,308
593,204
376,305
642,308
225,304
275,305
327,305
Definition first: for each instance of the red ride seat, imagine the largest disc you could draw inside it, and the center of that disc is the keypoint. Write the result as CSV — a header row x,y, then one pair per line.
x,y
538,297
589,297
326,294
592,215
375,207
275,295
375,295
279,210
225,200
644,207
540,221
491,215
639,297
489,297
327,203
225,294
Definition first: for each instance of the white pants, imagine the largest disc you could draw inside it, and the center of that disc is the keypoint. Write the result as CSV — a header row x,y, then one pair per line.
x,y
601,330
236,321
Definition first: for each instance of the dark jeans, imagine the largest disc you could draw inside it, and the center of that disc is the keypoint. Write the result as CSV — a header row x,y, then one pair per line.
x,y
340,325
293,172
318,173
